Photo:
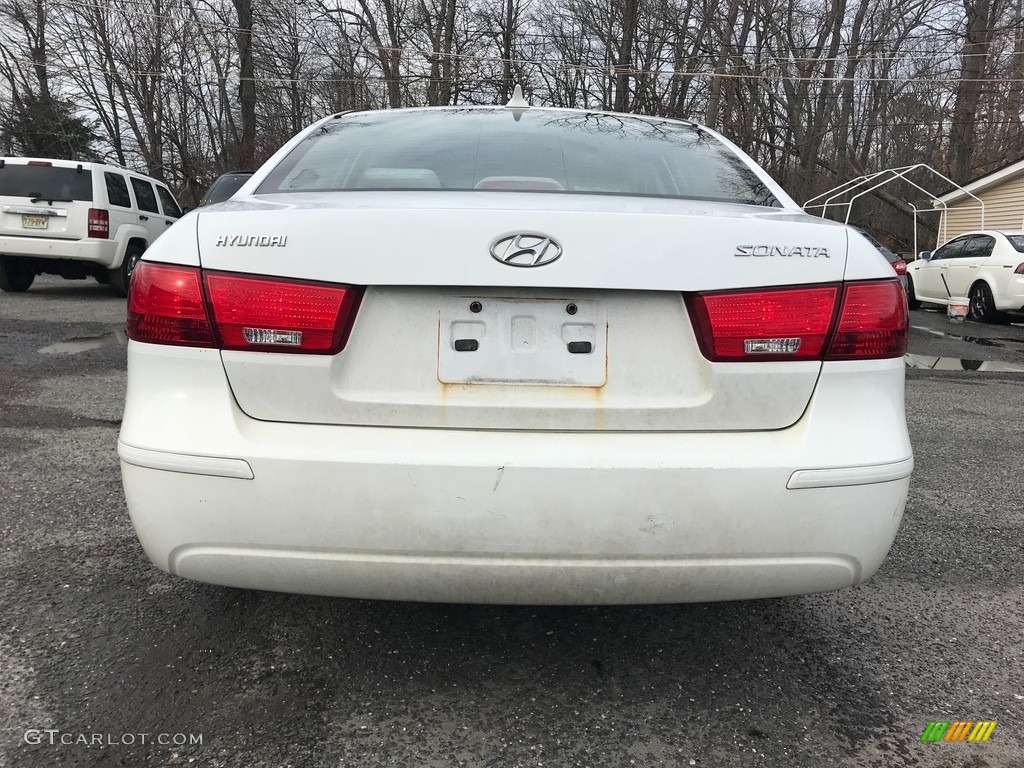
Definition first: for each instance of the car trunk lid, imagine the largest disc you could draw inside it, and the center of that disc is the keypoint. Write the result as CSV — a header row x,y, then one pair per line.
x,y
449,336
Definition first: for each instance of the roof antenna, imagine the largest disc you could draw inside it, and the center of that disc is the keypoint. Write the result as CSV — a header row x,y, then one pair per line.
x,y
517,104
517,101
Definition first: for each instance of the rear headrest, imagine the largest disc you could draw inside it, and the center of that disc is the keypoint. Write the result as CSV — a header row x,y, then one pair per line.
x,y
520,183
398,178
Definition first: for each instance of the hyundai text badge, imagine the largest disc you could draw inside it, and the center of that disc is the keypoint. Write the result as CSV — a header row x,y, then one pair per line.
x,y
253,241
526,250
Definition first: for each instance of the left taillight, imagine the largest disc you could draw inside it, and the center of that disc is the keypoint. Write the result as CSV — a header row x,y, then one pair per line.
x,y
263,314
187,306
166,306
899,267
99,223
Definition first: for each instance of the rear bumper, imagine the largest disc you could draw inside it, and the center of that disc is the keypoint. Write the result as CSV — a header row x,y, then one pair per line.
x,y
102,252
1012,300
512,517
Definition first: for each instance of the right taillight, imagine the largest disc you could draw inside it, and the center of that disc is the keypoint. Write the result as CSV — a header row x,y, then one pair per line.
x,y
99,223
873,322
899,267
185,306
766,324
859,320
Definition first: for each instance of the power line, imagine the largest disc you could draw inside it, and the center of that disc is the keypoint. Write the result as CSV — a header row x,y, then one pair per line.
x,y
866,56
579,67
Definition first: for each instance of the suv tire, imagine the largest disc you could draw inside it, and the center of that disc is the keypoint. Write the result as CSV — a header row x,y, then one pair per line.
x,y
121,278
15,274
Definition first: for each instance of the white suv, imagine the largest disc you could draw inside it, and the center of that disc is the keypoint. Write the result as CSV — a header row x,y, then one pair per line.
x,y
77,220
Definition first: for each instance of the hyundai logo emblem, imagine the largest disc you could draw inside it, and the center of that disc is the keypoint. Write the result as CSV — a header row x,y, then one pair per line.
x,y
525,250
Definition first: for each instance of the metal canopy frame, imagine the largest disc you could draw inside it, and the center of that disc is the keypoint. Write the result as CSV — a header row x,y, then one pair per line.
x,y
868,183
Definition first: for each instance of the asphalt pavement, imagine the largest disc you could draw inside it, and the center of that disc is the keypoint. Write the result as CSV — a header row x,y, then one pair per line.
x,y
107,661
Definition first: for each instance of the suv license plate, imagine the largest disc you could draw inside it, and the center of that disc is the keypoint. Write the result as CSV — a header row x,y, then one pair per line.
x,y
30,221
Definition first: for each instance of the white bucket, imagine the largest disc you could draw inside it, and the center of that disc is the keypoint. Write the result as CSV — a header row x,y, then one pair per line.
x,y
958,309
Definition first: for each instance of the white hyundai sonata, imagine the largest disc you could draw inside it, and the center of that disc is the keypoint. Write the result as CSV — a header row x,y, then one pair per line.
x,y
515,355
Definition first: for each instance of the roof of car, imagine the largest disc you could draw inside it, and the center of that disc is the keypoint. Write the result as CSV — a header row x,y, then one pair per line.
x,y
65,163
990,232
501,107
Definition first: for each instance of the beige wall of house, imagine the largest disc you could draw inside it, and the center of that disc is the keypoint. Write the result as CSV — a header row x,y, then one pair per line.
x,y
1004,209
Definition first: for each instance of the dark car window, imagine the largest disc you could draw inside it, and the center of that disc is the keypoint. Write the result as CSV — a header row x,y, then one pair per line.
x,y
889,255
145,195
538,150
1017,241
45,182
117,190
952,249
171,208
224,187
870,238
979,247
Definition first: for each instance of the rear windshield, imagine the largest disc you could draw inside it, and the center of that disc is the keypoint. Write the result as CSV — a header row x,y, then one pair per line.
x,y
1017,241
45,183
542,151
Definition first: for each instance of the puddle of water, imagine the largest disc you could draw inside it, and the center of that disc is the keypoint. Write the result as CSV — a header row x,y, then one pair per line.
x,y
928,362
980,341
984,341
78,344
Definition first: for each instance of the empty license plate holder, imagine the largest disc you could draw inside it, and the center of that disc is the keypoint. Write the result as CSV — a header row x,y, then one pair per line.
x,y
554,342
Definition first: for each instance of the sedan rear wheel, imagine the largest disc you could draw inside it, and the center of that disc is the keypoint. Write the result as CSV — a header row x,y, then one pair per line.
x,y
983,306
912,300
15,274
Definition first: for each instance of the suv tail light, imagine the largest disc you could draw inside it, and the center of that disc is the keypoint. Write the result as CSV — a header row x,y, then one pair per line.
x,y
99,223
186,306
899,267
861,320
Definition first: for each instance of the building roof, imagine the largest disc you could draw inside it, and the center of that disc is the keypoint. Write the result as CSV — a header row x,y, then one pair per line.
x,y
998,176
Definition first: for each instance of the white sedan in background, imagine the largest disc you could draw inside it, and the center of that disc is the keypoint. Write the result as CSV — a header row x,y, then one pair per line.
x,y
515,355
985,266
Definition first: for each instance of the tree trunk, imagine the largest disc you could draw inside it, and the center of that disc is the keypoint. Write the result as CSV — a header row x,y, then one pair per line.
x,y
245,153
630,13
981,18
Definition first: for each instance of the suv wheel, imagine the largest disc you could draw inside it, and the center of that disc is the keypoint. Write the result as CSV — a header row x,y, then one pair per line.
x,y
121,278
15,274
